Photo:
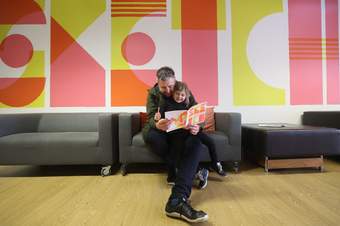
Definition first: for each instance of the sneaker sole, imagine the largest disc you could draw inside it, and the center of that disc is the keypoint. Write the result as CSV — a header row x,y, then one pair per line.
x,y
177,215
171,183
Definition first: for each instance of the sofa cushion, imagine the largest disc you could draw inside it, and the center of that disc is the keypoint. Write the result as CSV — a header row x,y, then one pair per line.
x,y
209,124
51,139
219,138
143,119
138,140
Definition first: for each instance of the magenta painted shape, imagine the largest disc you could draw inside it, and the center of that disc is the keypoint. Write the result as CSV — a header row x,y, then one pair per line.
x,y
77,80
138,48
199,64
304,18
332,52
16,50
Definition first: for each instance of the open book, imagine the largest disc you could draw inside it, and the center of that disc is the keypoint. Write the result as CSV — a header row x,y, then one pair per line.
x,y
182,118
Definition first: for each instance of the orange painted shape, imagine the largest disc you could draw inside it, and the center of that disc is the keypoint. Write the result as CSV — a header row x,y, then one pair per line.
x,y
199,15
126,89
60,40
22,92
21,12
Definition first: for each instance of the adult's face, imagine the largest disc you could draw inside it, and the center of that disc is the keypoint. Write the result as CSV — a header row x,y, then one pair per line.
x,y
166,87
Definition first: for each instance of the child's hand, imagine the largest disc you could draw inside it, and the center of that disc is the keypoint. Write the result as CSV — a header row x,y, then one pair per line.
x,y
194,129
157,116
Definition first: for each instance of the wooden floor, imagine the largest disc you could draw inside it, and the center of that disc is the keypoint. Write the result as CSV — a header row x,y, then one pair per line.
x,y
75,196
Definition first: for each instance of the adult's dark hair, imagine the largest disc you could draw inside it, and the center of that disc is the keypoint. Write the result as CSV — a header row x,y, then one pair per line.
x,y
164,73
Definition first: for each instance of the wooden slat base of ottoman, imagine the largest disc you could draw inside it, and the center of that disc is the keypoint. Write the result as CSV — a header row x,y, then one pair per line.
x,y
293,163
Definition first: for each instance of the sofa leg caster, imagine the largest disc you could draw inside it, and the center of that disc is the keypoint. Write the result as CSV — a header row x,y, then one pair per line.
x,y
123,169
236,167
105,171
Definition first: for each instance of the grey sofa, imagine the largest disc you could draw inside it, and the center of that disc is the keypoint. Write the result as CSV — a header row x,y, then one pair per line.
x,y
132,148
322,118
59,139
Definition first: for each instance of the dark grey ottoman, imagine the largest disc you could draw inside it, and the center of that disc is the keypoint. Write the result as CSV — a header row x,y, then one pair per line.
x,y
289,146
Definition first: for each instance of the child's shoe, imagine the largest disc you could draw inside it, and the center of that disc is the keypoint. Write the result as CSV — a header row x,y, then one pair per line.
x,y
219,169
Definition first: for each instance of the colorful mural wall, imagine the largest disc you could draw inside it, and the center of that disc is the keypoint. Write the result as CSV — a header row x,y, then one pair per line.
x,y
101,53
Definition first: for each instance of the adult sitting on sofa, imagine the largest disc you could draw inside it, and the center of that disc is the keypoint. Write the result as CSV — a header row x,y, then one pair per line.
x,y
226,135
59,139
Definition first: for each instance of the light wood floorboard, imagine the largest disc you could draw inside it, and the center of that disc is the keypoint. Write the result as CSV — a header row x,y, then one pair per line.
x,y
31,196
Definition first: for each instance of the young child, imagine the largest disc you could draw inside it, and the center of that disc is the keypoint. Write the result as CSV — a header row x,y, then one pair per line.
x,y
180,101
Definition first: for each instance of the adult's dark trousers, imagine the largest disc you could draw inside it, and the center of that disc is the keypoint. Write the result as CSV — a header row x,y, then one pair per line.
x,y
158,142
190,148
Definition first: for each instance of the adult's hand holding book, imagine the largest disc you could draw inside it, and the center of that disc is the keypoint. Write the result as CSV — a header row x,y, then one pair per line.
x,y
163,124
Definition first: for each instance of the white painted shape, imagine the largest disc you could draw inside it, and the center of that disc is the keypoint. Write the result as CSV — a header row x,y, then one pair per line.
x,y
167,42
96,39
268,50
38,36
10,72
225,81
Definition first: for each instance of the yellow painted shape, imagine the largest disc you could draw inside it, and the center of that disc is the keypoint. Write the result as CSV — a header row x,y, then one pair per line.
x,y
176,15
248,89
39,102
120,29
2,105
221,15
41,3
4,29
76,16
36,67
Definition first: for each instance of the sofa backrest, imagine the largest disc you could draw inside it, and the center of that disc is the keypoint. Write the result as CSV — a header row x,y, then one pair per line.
x,y
322,118
18,123
48,122
68,122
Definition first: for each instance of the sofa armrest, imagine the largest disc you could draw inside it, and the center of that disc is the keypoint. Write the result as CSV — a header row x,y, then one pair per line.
x,y
230,124
128,126
106,134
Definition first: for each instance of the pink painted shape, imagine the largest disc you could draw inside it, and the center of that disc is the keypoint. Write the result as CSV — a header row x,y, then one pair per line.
x,y
148,77
304,17
199,64
33,18
77,80
138,48
6,82
305,82
333,80
16,50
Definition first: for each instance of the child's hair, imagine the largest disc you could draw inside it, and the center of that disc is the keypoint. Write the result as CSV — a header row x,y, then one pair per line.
x,y
182,87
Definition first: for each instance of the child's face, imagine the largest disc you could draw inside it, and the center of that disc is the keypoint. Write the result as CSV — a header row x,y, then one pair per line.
x,y
179,96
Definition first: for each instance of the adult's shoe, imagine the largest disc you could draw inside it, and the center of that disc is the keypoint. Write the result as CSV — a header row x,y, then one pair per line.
x,y
180,208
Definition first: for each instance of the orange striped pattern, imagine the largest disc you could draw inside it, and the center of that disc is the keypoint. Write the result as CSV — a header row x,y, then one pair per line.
x,y
138,8
313,48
